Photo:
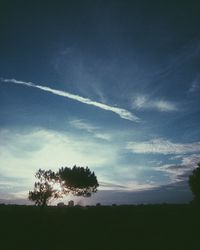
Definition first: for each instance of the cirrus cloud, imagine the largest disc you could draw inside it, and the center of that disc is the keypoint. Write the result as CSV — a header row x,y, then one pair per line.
x,y
144,102
162,146
94,130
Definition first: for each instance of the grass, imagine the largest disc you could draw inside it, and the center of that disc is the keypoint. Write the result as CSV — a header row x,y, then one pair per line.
x,y
140,227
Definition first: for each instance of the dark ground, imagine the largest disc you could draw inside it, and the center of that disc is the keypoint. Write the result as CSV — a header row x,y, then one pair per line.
x,y
141,227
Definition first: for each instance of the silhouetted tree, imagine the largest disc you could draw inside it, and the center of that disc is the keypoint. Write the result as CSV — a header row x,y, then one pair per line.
x,y
194,182
44,189
79,181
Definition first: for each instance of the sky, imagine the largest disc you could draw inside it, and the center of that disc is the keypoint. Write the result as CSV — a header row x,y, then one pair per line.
x,y
112,85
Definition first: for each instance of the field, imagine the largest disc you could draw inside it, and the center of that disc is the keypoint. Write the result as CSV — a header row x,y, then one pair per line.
x,y
139,227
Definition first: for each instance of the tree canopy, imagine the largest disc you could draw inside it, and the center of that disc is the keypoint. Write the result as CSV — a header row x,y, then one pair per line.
x,y
194,182
79,181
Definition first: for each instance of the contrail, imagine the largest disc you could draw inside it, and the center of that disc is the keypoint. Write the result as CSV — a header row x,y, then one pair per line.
x,y
123,113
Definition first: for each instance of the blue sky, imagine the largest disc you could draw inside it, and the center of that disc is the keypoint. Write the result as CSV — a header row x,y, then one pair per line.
x,y
113,85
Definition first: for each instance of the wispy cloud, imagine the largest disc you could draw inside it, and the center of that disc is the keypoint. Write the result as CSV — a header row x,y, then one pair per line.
x,y
80,124
94,130
195,86
123,113
181,171
129,186
144,102
112,186
162,146
176,172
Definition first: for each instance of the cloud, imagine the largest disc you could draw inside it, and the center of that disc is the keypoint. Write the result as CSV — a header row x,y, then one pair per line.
x,y
123,113
181,171
80,124
176,172
112,186
162,146
144,102
24,152
103,136
131,186
94,130
195,86
191,160
173,193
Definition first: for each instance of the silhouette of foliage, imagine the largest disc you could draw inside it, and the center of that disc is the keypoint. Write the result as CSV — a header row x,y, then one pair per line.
x,y
43,189
194,182
79,181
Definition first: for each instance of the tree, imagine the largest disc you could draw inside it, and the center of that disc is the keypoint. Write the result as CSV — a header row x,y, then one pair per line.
x,y
194,182
44,189
79,181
